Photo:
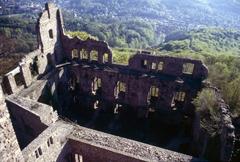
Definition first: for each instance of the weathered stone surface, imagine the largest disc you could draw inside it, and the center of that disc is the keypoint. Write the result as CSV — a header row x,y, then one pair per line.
x,y
132,150
65,69
9,148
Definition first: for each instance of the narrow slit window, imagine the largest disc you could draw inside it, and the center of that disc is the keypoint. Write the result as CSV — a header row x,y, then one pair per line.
x,y
50,32
96,84
40,151
50,142
36,154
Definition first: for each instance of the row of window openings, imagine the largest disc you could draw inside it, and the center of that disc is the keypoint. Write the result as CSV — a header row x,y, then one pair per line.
x,y
84,55
119,91
121,88
76,158
38,152
187,67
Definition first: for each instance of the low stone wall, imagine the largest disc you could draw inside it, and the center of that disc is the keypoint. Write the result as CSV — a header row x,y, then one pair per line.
x,y
29,118
50,144
97,146
227,129
9,148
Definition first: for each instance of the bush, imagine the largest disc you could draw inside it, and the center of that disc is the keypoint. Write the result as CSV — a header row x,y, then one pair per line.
x,y
206,106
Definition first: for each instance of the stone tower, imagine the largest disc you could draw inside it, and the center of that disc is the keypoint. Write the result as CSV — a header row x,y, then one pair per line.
x,y
9,147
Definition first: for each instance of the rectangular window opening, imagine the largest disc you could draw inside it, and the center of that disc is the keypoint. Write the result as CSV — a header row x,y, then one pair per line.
x,y
50,32
50,141
160,66
78,158
74,53
96,85
94,55
154,66
84,54
19,79
180,96
144,64
120,88
188,68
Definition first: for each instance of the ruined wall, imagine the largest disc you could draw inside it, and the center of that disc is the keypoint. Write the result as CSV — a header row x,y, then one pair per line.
x,y
49,37
226,139
139,81
170,66
227,136
84,49
50,144
97,146
9,148
29,118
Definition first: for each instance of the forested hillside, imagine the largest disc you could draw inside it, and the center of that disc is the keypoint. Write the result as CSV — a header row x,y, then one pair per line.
x,y
144,23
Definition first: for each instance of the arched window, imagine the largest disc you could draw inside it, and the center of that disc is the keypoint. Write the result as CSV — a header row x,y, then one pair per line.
x,y
84,54
94,55
105,58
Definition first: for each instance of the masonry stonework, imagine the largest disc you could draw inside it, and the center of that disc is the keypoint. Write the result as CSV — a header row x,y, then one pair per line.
x,y
68,74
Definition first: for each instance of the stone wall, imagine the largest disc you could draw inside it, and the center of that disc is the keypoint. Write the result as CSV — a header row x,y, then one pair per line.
x,y
97,146
139,81
170,65
227,136
29,118
49,145
224,149
49,36
9,148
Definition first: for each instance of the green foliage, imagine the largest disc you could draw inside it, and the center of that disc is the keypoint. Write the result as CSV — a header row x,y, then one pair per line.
x,y
232,96
205,41
125,34
122,55
82,35
17,35
206,106
219,50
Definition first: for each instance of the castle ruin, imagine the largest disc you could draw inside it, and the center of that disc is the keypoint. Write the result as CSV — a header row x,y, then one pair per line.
x,y
65,99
